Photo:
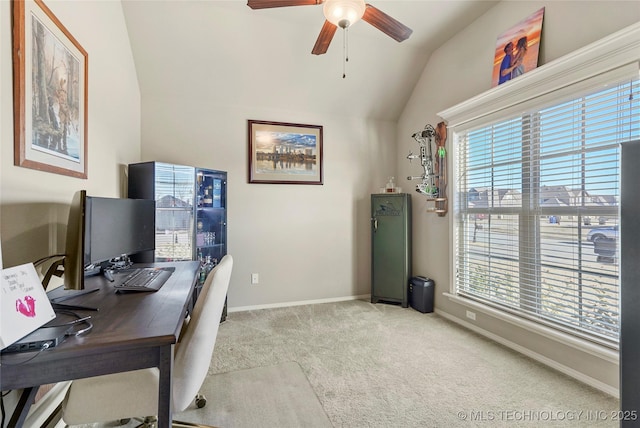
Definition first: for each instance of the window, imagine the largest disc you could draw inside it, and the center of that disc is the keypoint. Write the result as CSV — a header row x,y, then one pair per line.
x,y
538,201
535,191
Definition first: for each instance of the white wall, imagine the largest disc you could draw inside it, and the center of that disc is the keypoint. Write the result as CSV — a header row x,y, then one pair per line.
x,y
34,204
461,69
307,242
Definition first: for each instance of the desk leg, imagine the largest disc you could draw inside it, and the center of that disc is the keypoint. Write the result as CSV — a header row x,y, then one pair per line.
x,y
165,387
22,408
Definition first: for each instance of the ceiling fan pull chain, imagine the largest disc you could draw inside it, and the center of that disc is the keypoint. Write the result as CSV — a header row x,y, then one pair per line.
x,y
345,50
347,36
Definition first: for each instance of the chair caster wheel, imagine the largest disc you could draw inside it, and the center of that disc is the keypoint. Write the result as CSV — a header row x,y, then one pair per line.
x,y
201,401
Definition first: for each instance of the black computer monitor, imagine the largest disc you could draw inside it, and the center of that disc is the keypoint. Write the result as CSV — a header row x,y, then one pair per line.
x,y
74,245
101,229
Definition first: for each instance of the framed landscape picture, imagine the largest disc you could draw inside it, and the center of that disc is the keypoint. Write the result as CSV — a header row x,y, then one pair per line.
x,y
517,49
284,153
50,92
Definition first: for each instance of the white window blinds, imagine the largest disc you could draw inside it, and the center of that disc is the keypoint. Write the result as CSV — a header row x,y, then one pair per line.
x,y
537,197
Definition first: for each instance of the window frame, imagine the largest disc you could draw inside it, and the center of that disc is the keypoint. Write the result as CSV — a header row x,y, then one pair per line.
x,y
528,280
610,59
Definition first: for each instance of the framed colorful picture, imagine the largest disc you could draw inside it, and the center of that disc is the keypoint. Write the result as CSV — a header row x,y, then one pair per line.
x,y
284,153
50,92
517,49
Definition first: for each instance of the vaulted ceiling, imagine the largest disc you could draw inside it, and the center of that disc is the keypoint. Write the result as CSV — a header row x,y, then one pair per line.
x,y
224,52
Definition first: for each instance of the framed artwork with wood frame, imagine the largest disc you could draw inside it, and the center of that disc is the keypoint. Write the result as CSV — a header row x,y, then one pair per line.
x,y
50,71
284,153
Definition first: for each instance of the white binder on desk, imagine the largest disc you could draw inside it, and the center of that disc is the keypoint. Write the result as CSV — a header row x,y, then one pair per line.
x,y
24,303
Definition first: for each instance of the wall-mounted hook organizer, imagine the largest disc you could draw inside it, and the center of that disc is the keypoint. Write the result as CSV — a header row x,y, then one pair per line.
x,y
434,178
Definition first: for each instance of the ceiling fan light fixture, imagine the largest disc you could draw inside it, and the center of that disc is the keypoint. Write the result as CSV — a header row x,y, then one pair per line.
x,y
343,13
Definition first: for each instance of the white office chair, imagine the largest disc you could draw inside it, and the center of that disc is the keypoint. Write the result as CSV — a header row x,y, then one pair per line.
x,y
129,394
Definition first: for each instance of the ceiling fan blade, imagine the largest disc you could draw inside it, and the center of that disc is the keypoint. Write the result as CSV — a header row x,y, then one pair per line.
x,y
324,38
388,25
265,4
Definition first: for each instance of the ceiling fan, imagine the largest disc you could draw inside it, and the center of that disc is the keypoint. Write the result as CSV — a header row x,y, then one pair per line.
x,y
343,14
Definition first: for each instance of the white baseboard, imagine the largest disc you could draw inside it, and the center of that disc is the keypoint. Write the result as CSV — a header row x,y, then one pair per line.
x,y
298,303
606,388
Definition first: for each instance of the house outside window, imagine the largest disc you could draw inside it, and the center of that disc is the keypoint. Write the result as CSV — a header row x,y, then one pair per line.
x,y
528,189
536,195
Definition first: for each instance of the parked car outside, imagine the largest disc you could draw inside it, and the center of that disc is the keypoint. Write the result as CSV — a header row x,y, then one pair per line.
x,y
587,220
609,232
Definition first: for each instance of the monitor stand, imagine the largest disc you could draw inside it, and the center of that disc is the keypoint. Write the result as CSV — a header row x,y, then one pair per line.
x,y
55,302
57,269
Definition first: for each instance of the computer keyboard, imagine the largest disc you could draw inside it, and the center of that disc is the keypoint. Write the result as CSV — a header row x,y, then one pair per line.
x,y
144,279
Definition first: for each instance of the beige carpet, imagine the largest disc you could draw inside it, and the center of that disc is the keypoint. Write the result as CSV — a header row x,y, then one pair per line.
x,y
382,366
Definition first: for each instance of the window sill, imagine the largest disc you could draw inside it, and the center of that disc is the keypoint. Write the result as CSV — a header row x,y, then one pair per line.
x,y
600,351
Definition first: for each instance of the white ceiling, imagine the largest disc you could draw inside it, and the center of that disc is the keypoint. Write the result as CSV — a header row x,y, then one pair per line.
x,y
223,51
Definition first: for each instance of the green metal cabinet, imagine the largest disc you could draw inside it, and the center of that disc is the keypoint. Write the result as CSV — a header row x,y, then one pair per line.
x,y
390,247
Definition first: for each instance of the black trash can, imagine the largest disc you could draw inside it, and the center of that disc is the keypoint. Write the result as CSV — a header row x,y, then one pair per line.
x,y
421,292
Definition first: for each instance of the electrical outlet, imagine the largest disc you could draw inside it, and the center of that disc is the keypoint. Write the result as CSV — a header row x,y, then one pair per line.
x,y
255,279
471,315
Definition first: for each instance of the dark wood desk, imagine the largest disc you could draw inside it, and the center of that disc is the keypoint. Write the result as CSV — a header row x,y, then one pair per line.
x,y
130,331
